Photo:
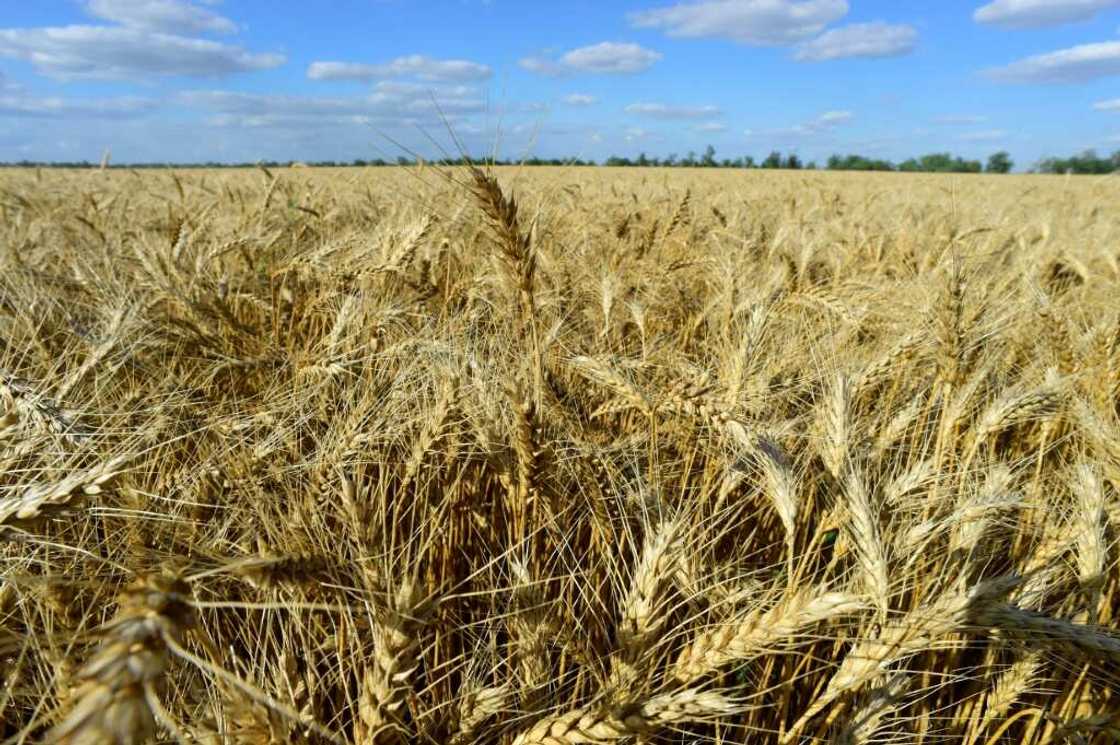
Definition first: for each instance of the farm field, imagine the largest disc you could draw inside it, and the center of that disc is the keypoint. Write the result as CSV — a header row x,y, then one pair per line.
x,y
558,455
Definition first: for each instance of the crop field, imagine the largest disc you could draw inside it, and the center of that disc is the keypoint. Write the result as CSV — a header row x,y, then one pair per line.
x,y
558,455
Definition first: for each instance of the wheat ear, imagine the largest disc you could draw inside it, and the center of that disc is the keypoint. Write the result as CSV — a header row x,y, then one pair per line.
x,y
396,644
115,702
918,631
625,720
35,499
758,631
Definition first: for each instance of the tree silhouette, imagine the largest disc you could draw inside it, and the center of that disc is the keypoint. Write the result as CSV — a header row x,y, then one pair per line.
x,y
773,160
999,162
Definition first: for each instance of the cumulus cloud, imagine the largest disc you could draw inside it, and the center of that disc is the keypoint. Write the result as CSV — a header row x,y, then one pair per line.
x,y
1020,14
261,104
389,102
875,39
989,135
72,52
76,108
167,16
1110,105
1074,65
609,57
390,97
541,66
579,99
821,124
665,111
757,22
415,65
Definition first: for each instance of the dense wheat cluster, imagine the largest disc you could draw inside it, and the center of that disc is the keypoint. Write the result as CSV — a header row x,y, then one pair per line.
x,y
558,456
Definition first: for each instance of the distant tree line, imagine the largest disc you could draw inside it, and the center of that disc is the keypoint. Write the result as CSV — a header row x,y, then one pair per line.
x,y
1087,162
356,163
708,159
931,163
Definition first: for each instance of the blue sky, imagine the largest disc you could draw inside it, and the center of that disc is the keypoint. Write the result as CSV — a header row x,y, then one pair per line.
x,y
245,80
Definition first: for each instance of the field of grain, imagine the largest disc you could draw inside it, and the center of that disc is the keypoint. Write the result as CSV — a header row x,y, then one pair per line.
x,y
558,456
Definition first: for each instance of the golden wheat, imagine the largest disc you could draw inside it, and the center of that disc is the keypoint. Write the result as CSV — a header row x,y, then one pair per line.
x,y
571,455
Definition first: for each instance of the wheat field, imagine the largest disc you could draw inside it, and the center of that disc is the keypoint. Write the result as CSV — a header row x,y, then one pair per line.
x,y
566,455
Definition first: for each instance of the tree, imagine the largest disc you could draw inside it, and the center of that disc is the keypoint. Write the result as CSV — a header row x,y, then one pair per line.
x,y
1085,162
936,162
708,159
792,161
773,160
999,163
858,163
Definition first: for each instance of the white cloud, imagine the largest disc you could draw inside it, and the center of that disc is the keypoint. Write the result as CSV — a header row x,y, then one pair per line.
x,y
390,102
710,127
415,65
101,108
1110,105
665,111
120,52
610,57
1073,65
417,98
830,119
259,104
990,135
580,99
821,124
168,16
606,57
961,119
1020,14
541,66
636,134
876,39
758,22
